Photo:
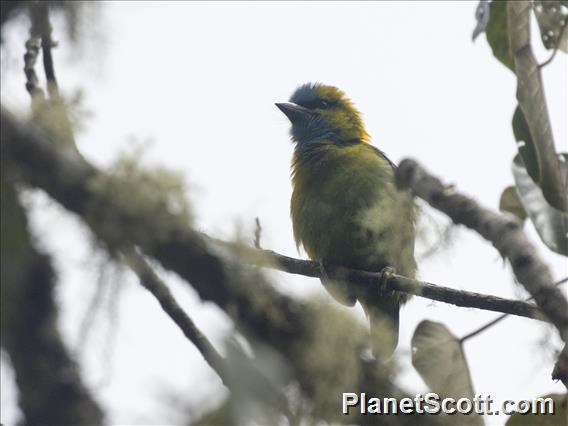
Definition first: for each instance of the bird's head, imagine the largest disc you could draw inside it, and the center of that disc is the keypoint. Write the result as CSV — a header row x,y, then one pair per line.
x,y
321,113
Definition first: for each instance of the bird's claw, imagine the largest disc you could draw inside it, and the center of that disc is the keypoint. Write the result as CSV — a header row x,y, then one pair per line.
x,y
323,272
385,274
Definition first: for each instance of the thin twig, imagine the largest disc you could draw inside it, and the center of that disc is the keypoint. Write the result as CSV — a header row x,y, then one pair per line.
x,y
47,44
30,59
152,282
257,232
500,317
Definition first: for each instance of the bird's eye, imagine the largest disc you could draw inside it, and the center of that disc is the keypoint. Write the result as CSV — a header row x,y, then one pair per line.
x,y
316,104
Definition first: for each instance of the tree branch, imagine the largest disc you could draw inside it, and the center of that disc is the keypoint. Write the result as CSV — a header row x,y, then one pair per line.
x,y
30,58
152,282
392,282
50,387
503,232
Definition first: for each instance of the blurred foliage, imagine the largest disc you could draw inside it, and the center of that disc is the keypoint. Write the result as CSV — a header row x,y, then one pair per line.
x,y
438,357
9,9
434,231
510,202
330,357
552,17
525,144
550,223
328,360
72,108
222,415
76,14
156,194
541,179
62,118
256,385
496,32
16,252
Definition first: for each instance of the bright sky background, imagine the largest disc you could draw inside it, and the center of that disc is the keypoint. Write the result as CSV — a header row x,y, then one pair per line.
x,y
200,80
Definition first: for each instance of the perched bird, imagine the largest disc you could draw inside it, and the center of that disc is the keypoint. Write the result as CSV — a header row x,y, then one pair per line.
x,y
345,207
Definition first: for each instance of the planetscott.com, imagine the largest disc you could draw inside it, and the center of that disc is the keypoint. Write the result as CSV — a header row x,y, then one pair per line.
x,y
431,403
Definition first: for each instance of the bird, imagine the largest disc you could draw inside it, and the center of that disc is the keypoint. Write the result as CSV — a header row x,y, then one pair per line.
x,y
345,207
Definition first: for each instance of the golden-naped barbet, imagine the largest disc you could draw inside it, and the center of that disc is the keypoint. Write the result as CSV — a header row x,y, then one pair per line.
x,y
345,207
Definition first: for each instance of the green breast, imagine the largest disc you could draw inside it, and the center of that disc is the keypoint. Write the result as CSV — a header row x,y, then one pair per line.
x,y
345,209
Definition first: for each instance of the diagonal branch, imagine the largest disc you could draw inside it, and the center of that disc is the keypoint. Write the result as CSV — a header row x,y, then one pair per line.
x,y
503,232
152,282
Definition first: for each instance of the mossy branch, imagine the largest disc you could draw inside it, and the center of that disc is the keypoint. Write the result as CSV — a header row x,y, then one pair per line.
x,y
504,232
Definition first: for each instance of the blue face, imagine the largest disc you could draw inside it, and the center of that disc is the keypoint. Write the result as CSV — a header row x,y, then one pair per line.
x,y
311,127
323,114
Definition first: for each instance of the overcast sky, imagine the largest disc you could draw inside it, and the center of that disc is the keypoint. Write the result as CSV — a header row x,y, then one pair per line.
x,y
199,80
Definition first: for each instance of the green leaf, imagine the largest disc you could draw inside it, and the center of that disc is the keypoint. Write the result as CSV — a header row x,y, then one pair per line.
x,y
256,384
532,101
496,32
526,146
551,18
557,419
438,357
511,203
550,223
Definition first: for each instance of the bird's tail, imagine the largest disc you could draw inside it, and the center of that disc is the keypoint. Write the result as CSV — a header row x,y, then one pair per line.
x,y
383,314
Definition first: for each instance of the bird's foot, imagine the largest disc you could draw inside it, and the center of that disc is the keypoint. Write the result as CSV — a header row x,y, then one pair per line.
x,y
385,274
322,266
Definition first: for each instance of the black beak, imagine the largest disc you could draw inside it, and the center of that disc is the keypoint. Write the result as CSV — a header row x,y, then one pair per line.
x,y
294,112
